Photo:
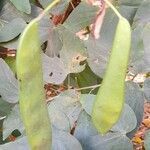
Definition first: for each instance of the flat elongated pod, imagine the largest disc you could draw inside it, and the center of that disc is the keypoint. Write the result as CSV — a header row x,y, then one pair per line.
x,y
110,97
31,93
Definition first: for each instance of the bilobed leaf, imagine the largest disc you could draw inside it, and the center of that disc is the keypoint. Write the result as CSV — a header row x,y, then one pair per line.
x,y
81,17
31,93
99,49
12,29
127,121
89,138
71,55
22,5
68,104
8,83
110,97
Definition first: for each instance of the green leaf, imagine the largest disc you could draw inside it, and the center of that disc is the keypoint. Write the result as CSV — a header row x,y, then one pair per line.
x,y
31,93
85,130
8,83
54,44
91,140
81,17
22,5
72,54
11,61
44,27
146,42
130,2
110,98
1,4
143,13
137,50
59,8
135,99
9,12
59,119
146,89
64,141
45,3
20,144
61,141
54,70
128,12
10,44
12,122
110,141
127,121
87,101
87,78
5,108
12,29
68,104
99,49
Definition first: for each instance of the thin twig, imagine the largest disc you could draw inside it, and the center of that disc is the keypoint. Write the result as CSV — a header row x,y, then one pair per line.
x,y
92,90
88,87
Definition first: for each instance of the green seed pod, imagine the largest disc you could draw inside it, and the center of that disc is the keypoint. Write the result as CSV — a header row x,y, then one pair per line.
x,y
110,97
31,93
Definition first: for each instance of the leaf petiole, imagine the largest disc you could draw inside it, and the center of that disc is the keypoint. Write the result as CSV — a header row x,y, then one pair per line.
x,y
45,11
113,8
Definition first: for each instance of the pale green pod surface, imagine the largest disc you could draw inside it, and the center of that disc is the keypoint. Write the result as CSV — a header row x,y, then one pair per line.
x,y
110,97
31,93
